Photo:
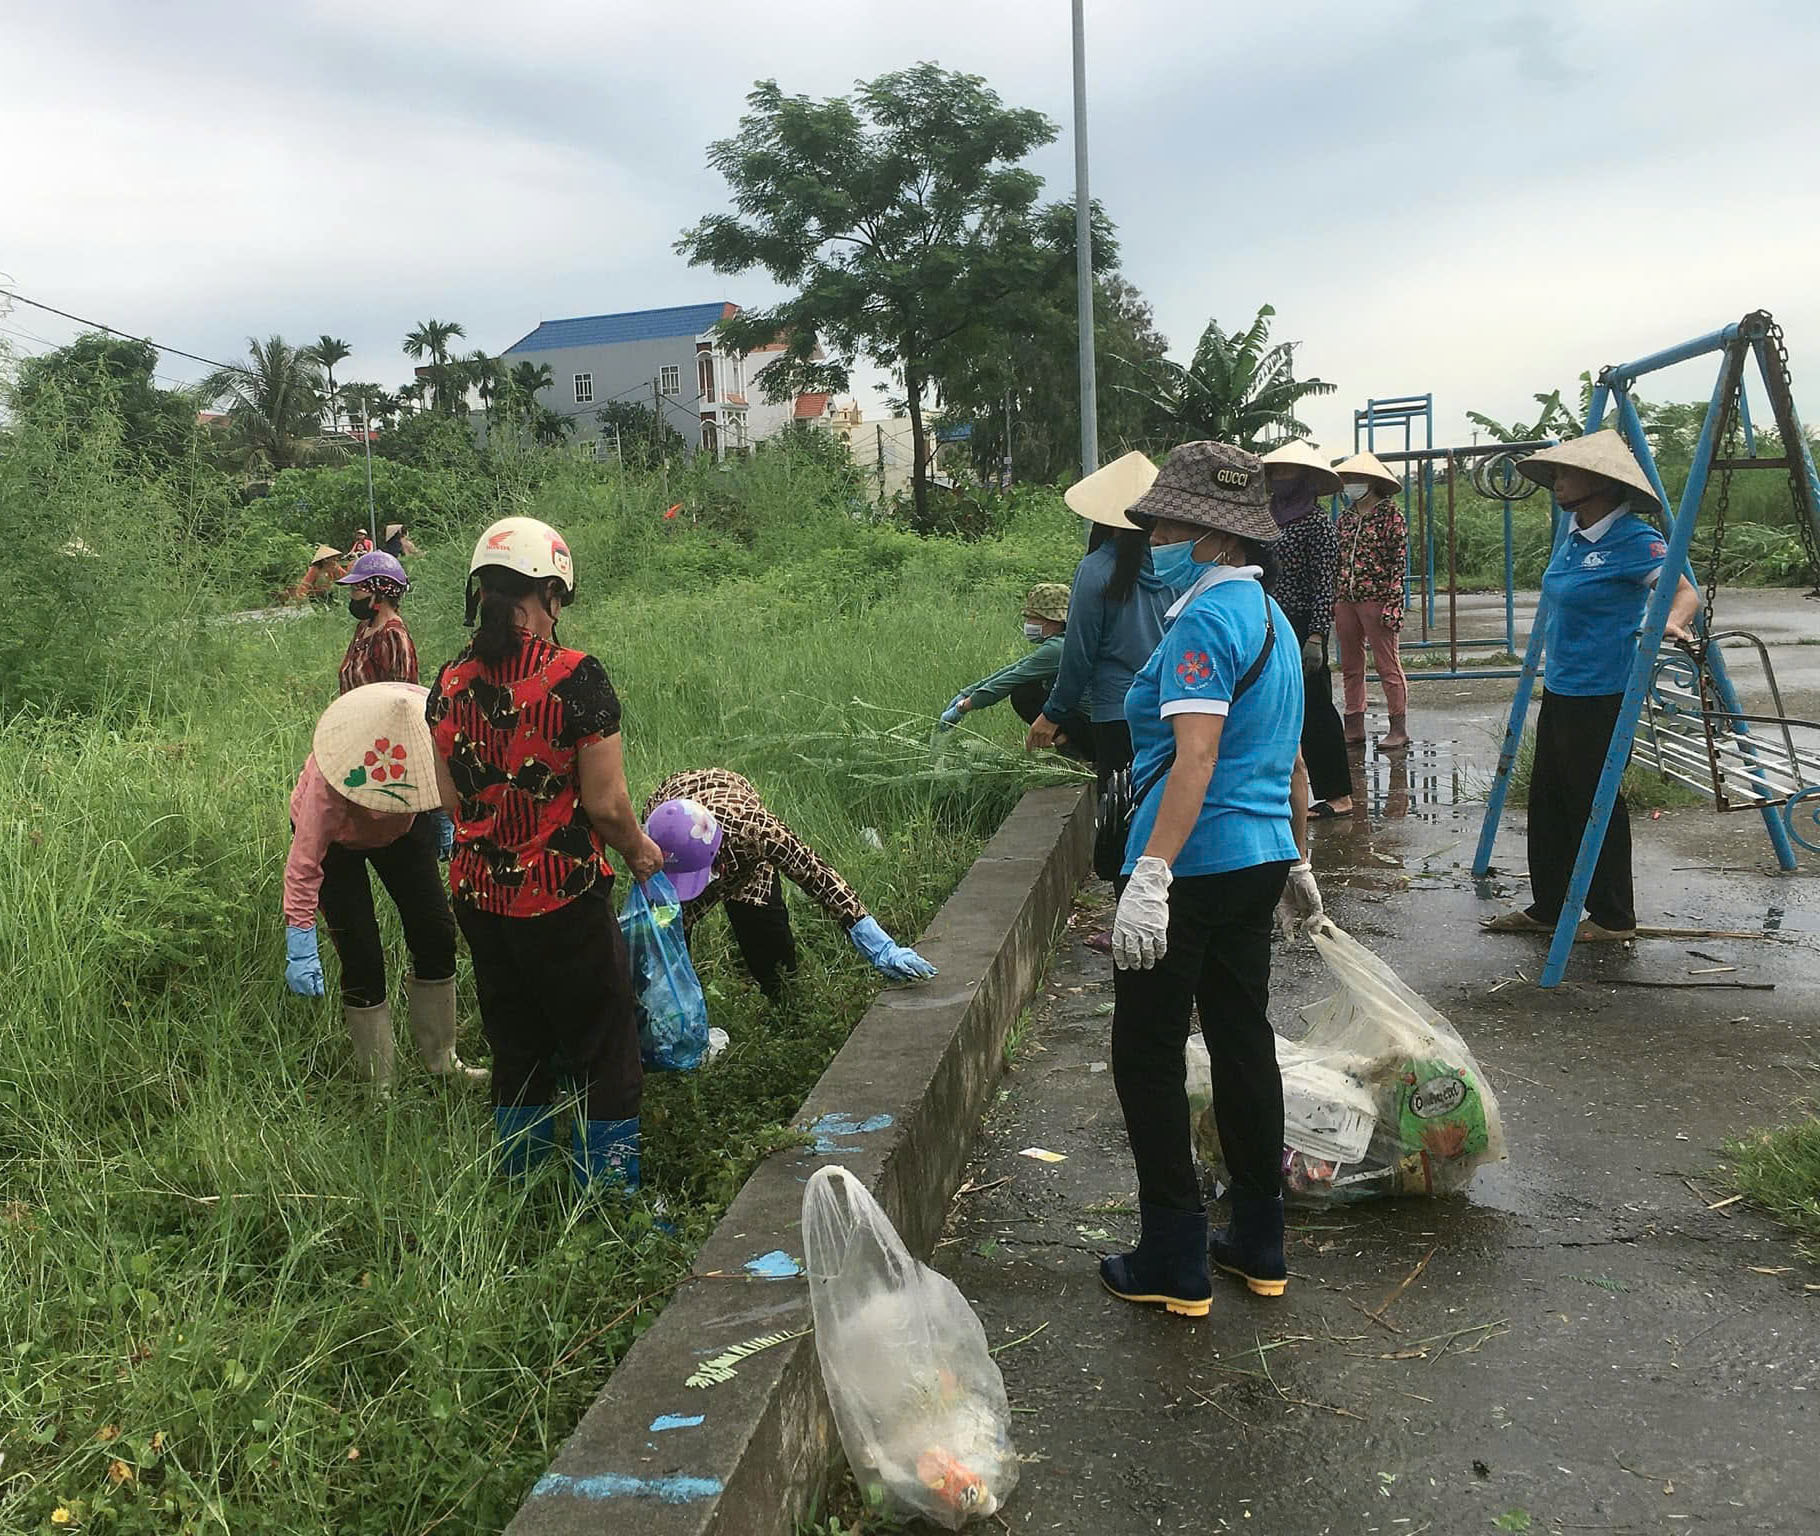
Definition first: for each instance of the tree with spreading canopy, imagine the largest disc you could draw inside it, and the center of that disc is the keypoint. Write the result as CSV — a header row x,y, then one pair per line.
x,y
900,214
98,372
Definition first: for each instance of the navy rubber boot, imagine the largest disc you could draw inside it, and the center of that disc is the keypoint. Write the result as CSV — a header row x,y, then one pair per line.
x,y
604,1154
526,1135
1169,1265
1252,1244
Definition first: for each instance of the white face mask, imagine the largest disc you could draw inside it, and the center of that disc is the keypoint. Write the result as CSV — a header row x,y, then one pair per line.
x,y
1352,495
1033,631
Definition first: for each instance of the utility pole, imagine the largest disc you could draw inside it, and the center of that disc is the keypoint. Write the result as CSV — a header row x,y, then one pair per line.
x,y
1083,255
366,437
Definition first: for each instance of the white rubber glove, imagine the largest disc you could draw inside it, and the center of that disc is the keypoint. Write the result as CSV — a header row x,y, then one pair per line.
x,y
1140,931
1301,903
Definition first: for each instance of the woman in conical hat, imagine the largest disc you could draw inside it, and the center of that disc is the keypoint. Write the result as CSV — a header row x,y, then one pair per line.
x,y
1593,596
1368,597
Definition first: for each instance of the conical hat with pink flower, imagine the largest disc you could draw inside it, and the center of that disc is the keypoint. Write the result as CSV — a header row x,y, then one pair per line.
x,y
373,746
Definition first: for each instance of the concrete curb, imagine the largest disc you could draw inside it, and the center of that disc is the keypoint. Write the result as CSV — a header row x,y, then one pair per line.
x,y
715,1422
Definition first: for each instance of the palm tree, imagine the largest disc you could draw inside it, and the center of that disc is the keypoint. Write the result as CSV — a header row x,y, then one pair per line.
x,y
432,337
1238,389
485,375
361,399
410,397
274,401
326,353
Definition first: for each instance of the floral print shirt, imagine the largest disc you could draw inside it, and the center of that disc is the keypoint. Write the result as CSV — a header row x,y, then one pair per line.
x,y
1374,551
379,654
1308,558
523,843
755,847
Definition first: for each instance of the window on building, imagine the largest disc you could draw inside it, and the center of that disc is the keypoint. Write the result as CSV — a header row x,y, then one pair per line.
x,y
710,439
704,375
584,389
669,379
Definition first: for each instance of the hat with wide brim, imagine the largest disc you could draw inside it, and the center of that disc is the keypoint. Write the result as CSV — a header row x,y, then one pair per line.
x,y
1605,454
1369,467
1103,496
324,552
1297,454
373,746
1047,600
1212,485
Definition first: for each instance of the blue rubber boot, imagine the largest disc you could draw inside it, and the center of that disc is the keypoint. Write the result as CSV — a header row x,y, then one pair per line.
x,y
1251,1247
604,1154
526,1135
1169,1265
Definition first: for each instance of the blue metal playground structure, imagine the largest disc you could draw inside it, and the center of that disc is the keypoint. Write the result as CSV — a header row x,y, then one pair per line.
x,y
1695,728
1491,471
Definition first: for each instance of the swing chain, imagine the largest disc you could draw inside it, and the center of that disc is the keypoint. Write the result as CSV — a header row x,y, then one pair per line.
x,y
1720,510
1777,348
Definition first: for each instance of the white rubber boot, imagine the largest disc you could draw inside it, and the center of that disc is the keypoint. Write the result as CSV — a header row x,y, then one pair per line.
x,y
371,1031
433,1028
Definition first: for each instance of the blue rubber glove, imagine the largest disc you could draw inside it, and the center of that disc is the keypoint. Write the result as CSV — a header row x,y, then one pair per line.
x,y
951,717
302,965
445,836
887,957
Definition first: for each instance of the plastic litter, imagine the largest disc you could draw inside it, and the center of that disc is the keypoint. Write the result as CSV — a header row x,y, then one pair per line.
x,y
917,1398
718,1041
672,1013
1380,1097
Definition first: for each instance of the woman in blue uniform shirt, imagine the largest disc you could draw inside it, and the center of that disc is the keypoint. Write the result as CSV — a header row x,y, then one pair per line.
x,y
1215,717
1593,593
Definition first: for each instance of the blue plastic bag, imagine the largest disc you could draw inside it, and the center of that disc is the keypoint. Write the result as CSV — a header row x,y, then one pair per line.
x,y
672,1013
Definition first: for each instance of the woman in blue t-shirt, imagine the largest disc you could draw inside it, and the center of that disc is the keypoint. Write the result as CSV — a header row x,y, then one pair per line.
x,y
1593,595
1219,827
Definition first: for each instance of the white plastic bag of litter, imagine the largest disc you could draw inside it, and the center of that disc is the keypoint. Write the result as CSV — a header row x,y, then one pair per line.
x,y
1381,1096
917,1399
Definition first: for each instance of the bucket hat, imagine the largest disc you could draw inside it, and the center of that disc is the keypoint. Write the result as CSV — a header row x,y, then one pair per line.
x,y
1368,466
1598,453
1300,455
690,835
324,552
373,746
1047,600
1216,486
1103,496
375,563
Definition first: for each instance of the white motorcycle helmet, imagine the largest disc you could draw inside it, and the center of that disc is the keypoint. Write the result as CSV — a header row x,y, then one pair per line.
x,y
525,545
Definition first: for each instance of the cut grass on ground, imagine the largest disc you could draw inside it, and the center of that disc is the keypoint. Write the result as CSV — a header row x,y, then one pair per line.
x,y
1780,1171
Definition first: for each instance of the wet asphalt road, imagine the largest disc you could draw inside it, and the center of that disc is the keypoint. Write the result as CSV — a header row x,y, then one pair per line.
x,y
1591,1344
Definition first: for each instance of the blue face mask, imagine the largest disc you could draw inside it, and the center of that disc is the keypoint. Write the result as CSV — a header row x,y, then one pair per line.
x,y
1175,563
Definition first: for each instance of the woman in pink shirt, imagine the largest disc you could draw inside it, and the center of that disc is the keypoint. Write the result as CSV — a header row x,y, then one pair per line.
x,y
360,802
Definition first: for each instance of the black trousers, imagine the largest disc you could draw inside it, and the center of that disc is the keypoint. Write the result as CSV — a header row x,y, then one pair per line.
x,y
1028,700
1112,752
1323,737
556,1003
766,943
1219,960
1572,735
413,878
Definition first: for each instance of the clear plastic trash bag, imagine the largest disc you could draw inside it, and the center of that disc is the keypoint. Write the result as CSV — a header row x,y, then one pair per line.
x,y
1380,1097
917,1398
672,1013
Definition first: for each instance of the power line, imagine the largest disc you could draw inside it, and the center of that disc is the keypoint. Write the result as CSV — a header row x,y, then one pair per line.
x,y
96,325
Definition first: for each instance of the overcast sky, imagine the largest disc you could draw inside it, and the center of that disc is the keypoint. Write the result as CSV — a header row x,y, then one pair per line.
x,y
1477,198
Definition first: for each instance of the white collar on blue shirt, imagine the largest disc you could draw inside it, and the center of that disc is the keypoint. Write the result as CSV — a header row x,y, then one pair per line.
x,y
1598,530
1212,577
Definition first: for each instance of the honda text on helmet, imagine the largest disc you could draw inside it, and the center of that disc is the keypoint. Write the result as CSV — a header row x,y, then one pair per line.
x,y
525,545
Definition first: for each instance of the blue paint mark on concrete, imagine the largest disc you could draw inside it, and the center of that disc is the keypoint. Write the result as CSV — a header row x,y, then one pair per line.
x,y
675,1421
830,1130
675,1489
776,1265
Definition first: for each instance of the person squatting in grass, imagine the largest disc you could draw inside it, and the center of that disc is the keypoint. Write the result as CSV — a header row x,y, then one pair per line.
x,y
367,799
1368,605
1216,846
317,584
1026,681
1594,593
1308,557
530,763
722,844
1115,618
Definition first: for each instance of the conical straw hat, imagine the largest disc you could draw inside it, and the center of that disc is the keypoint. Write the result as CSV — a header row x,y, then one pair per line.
x,y
1599,453
373,745
1368,466
1300,455
324,552
1103,496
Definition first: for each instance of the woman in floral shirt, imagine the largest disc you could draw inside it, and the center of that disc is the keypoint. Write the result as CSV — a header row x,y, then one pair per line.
x,y
1368,600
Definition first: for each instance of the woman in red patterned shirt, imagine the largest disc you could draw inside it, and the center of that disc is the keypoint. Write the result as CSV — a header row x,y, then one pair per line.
x,y
380,650
531,767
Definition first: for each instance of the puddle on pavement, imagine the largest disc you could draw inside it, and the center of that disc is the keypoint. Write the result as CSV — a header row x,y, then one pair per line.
x,y
1423,783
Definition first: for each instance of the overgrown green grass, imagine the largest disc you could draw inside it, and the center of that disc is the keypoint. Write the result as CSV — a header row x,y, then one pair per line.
x,y
1780,1171
238,1293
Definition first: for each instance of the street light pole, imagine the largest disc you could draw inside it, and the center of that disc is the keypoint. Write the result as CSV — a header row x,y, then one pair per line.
x,y
1083,255
366,437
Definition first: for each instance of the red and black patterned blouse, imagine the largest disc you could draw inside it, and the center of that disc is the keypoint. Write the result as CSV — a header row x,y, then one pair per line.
x,y
523,843
379,654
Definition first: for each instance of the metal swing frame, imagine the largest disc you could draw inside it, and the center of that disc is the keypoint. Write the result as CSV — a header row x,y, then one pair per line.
x,y
1755,335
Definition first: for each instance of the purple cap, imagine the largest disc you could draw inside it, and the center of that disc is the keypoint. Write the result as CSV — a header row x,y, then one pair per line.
x,y
375,562
690,836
